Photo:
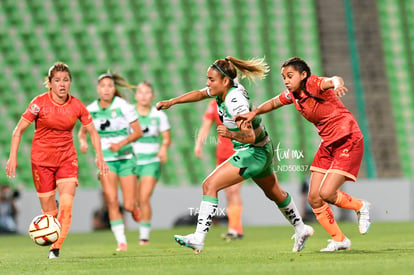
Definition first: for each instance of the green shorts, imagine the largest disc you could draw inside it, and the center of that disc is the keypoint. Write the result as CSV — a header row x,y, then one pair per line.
x,y
123,167
152,169
254,162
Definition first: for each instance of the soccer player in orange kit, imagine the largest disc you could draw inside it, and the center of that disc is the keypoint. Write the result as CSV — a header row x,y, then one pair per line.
x,y
53,156
224,150
340,153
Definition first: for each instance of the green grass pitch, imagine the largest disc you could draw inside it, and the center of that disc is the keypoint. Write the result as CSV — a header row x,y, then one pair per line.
x,y
387,249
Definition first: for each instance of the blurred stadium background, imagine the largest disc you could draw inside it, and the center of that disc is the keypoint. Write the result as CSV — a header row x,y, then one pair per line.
x,y
171,43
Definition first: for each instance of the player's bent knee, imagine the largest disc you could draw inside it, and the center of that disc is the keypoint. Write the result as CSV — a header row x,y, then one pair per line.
x,y
209,188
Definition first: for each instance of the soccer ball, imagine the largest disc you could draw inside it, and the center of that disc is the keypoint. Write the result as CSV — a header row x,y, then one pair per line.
x,y
44,230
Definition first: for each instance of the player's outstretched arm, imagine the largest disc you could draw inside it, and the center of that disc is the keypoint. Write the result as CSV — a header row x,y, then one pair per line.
x,y
192,96
266,107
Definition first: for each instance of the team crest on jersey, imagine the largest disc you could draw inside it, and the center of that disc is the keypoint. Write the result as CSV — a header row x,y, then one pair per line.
x,y
287,95
113,114
34,109
154,121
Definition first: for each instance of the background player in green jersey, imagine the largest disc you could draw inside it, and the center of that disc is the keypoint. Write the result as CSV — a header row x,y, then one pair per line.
x,y
149,153
113,118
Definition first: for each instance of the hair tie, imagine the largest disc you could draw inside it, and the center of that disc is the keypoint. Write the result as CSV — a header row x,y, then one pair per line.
x,y
226,59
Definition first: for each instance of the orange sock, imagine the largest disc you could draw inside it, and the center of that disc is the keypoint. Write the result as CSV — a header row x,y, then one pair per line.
x,y
326,218
52,212
344,200
64,217
234,213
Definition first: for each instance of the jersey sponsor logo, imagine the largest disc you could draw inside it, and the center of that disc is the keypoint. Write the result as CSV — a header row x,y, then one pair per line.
x,y
105,124
145,130
234,99
239,109
34,109
345,153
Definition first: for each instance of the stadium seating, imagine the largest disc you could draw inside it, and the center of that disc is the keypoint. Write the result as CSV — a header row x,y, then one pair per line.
x,y
398,59
171,44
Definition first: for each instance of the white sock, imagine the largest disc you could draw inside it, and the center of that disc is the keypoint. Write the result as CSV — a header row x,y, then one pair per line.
x,y
291,213
208,208
144,230
118,228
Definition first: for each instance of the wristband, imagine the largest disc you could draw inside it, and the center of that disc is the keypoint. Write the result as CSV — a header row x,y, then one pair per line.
x,y
336,83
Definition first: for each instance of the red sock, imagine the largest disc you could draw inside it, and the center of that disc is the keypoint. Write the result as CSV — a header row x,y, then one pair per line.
x,y
64,217
234,213
326,218
344,200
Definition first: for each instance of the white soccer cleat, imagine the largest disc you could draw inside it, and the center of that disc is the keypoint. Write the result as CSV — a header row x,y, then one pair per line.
x,y
335,246
300,238
364,222
190,242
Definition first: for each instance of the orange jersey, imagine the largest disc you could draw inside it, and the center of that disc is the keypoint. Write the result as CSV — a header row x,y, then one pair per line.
x,y
224,145
331,117
53,138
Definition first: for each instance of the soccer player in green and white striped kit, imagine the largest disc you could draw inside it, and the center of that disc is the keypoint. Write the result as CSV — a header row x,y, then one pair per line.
x,y
150,154
113,117
254,149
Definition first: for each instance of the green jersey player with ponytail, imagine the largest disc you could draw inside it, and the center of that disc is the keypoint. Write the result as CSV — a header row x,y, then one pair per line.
x,y
254,150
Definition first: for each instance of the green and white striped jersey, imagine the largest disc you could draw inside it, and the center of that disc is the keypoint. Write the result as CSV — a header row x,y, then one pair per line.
x,y
113,125
147,147
237,102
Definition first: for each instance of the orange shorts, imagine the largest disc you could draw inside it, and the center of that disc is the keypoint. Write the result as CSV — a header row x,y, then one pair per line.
x,y
47,178
343,157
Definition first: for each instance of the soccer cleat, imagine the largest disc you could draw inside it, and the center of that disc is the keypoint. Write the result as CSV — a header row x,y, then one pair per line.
x,y
54,253
190,242
231,236
301,238
122,247
143,242
136,214
335,246
364,222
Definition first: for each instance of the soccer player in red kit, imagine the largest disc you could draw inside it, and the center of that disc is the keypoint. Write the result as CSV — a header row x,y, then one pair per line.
x,y
53,156
340,153
224,150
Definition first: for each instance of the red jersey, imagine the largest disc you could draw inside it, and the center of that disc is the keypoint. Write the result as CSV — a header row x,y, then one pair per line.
x,y
224,145
331,117
53,138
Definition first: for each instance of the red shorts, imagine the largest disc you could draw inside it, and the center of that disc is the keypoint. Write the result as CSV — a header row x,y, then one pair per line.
x,y
221,159
343,157
47,178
